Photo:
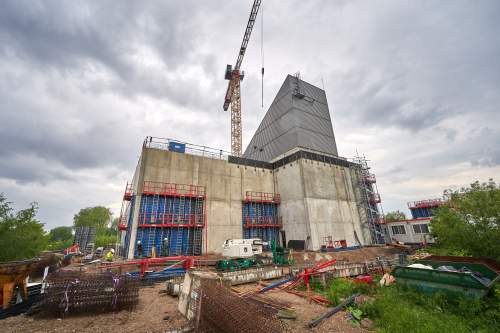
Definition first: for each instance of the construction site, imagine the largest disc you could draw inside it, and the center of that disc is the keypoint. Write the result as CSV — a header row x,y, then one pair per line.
x,y
247,240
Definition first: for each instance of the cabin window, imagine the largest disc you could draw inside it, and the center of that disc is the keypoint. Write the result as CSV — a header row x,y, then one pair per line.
x,y
398,230
421,228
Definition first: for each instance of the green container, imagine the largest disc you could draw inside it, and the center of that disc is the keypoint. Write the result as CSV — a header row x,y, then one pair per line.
x,y
450,283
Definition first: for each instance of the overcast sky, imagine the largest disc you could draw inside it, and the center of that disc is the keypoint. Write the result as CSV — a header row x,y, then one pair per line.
x,y
413,85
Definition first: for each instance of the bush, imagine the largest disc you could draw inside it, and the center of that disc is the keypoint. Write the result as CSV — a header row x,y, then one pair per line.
x,y
469,222
341,289
398,310
21,234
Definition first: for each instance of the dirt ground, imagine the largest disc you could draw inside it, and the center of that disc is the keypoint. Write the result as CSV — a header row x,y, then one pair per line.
x,y
308,311
146,317
355,256
154,306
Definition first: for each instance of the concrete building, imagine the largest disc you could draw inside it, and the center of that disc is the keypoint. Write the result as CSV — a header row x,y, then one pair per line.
x,y
188,199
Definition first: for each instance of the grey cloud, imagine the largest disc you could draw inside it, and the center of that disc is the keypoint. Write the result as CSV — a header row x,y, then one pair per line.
x,y
82,83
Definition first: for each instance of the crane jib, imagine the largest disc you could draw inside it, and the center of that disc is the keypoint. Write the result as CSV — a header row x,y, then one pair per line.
x,y
248,32
243,48
233,92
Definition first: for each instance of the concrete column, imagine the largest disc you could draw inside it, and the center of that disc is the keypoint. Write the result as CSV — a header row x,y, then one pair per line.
x,y
135,223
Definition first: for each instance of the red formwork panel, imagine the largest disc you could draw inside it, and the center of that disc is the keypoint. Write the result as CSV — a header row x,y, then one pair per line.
x,y
252,196
272,225
168,219
425,203
129,192
170,189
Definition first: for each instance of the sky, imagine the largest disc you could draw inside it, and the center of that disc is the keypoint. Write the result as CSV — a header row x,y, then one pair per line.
x,y
412,85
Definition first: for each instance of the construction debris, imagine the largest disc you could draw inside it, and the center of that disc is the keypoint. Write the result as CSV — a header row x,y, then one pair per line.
x,y
70,292
329,313
220,310
387,280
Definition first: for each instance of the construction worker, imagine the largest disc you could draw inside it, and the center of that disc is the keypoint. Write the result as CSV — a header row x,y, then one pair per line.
x,y
139,249
110,255
164,248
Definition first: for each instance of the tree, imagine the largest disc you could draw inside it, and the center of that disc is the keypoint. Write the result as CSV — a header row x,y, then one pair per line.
x,y
60,238
395,216
98,217
114,225
21,235
470,221
61,234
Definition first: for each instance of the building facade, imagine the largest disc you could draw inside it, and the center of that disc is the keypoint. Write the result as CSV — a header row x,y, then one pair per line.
x,y
187,200
416,230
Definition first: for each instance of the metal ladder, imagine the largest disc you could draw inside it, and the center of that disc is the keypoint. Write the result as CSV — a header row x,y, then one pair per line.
x,y
179,220
197,241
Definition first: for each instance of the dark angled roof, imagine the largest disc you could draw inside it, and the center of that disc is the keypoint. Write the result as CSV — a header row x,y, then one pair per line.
x,y
298,117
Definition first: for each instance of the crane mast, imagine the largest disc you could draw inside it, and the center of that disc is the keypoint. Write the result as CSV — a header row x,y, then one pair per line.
x,y
235,76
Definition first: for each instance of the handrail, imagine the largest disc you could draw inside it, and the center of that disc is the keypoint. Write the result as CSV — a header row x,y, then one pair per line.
x,y
191,149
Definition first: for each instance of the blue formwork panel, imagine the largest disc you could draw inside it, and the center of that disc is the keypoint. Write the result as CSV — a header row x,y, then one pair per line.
x,y
155,209
260,213
159,209
181,241
423,212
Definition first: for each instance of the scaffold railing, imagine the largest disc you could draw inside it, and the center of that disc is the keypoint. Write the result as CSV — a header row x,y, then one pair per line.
x,y
370,178
271,221
169,189
426,203
375,198
251,196
129,192
171,220
189,148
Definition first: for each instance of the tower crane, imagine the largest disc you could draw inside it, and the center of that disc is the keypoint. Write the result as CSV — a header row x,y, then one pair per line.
x,y
233,93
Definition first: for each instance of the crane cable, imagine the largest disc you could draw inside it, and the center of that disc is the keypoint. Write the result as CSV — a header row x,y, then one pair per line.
x,y
262,51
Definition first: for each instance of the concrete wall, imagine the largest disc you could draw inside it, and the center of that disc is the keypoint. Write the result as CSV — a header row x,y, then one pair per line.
x,y
317,199
225,185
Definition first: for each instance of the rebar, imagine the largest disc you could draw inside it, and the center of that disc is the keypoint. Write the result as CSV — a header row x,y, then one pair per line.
x,y
73,292
220,310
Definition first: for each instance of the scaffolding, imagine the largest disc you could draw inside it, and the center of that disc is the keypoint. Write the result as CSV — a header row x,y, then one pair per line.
x,y
261,218
369,201
171,219
124,219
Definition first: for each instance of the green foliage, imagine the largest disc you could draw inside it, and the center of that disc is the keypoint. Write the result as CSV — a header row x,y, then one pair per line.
x,y
395,216
104,238
341,289
98,217
61,234
396,310
114,225
59,245
470,222
21,235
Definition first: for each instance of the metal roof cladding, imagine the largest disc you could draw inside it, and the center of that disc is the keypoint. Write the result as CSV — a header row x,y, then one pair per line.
x,y
298,117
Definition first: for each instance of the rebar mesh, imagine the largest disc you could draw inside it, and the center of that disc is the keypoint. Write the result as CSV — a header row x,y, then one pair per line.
x,y
222,311
72,292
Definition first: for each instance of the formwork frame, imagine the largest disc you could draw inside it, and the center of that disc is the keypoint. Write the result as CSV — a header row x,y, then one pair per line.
x,y
370,201
261,216
424,208
171,219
